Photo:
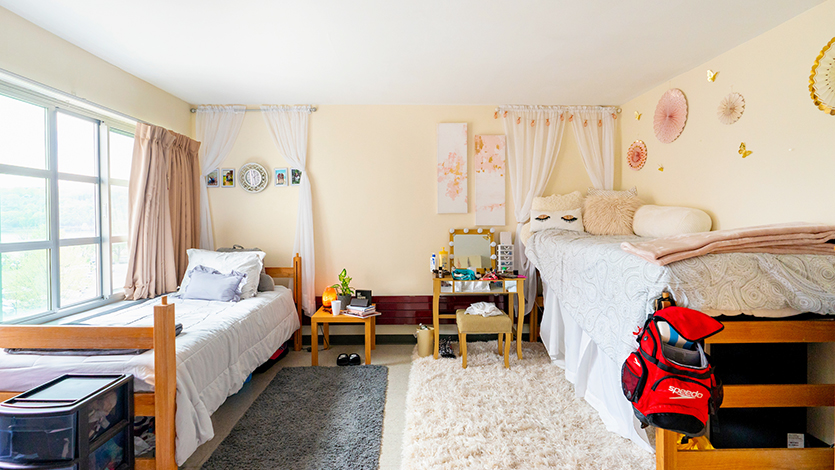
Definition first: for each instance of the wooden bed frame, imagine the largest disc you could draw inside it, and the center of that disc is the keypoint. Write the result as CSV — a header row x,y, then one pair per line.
x,y
161,403
668,457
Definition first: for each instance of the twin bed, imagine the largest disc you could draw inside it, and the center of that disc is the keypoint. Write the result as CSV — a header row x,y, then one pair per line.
x,y
597,296
181,381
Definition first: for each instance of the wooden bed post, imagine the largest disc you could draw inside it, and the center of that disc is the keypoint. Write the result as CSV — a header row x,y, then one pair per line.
x,y
297,296
665,449
165,385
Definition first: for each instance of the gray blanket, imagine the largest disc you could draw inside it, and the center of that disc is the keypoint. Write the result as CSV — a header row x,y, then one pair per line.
x,y
610,292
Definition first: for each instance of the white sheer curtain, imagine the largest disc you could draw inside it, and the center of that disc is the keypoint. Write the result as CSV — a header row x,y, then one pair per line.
x,y
594,129
534,136
288,127
217,128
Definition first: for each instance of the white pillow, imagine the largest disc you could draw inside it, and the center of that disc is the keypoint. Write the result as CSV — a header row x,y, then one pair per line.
x,y
247,262
565,220
666,221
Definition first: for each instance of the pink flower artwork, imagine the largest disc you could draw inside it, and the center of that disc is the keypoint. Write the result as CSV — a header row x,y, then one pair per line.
x,y
490,179
637,155
670,115
452,168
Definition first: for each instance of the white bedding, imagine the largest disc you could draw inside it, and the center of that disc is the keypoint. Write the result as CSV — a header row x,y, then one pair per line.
x,y
610,292
596,295
221,344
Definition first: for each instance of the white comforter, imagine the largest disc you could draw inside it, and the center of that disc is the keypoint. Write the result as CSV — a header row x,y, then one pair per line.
x,y
221,344
609,292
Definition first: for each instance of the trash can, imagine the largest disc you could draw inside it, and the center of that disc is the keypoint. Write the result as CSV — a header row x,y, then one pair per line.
x,y
425,340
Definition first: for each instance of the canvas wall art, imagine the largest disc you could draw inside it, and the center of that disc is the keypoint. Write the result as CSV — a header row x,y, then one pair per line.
x,y
452,168
489,179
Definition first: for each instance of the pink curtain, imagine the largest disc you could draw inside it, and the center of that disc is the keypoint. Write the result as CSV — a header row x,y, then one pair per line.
x,y
153,257
184,199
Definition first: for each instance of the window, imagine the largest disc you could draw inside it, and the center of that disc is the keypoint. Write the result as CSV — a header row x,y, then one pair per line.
x,y
63,207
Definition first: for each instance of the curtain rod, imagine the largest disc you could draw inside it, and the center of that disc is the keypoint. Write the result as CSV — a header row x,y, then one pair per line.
x,y
312,109
522,107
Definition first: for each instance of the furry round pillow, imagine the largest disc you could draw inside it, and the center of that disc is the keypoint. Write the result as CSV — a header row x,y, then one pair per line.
x,y
605,214
666,221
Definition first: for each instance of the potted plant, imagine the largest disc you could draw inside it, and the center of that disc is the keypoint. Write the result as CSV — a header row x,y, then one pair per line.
x,y
344,289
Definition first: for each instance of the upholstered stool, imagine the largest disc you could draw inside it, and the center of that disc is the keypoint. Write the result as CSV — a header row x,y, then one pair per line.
x,y
476,324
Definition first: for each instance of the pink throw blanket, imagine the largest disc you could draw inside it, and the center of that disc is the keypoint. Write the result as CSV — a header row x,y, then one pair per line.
x,y
793,238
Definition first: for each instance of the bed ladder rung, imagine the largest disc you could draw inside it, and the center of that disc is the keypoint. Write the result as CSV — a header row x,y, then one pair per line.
x,y
778,396
746,332
756,459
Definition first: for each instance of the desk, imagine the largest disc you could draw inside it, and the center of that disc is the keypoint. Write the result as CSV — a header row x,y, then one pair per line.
x,y
325,317
510,287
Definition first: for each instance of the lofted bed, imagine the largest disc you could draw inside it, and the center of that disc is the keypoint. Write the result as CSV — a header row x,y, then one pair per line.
x,y
596,297
168,387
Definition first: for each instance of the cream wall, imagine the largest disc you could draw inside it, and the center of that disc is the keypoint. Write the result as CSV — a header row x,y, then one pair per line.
x,y
374,193
34,53
788,177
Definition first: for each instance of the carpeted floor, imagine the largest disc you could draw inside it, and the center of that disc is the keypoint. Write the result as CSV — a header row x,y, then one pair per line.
x,y
488,417
310,418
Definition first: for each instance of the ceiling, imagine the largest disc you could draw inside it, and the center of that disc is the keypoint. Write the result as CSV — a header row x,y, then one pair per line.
x,y
407,51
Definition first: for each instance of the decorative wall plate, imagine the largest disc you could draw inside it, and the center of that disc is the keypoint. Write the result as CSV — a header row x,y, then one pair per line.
x,y
637,155
670,115
731,108
822,80
253,177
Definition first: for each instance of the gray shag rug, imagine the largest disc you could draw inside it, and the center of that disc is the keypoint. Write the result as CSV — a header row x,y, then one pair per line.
x,y
310,418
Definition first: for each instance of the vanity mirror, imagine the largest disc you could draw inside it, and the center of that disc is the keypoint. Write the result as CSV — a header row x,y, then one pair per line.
x,y
472,249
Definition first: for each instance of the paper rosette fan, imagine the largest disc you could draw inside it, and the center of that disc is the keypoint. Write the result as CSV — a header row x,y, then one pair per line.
x,y
637,155
670,115
731,108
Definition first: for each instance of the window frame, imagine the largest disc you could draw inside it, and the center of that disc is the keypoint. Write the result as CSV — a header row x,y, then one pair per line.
x,y
106,293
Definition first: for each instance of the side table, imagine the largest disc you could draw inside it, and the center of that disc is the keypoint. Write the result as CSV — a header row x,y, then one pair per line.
x,y
325,317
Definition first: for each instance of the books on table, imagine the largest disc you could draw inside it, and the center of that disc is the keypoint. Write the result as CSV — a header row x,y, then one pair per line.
x,y
361,312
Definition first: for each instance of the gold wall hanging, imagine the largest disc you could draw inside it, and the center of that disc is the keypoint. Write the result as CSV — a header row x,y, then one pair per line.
x,y
822,80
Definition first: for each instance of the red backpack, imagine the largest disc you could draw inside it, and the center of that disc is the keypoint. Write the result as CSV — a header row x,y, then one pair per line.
x,y
669,379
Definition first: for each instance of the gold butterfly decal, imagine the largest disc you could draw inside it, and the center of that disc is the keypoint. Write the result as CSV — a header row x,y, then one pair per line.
x,y
743,151
638,116
660,167
711,75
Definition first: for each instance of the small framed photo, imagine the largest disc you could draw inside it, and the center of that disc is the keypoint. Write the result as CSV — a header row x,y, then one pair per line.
x,y
213,179
295,177
227,178
281,176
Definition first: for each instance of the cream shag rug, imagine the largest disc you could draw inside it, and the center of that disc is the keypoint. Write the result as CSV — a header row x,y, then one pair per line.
x,y
489,417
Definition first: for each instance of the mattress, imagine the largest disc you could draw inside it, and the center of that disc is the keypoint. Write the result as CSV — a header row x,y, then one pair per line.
x,y
221,344
609,293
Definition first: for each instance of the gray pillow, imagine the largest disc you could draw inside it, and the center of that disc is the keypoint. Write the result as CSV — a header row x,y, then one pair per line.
x,y
210,284
266,284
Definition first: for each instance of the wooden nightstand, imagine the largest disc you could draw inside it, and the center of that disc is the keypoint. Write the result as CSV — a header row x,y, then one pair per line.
x,y
325,317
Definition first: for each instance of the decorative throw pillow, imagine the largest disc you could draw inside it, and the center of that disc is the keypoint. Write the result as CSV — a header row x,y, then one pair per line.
x,y
249,262
610,215
633,191
266,283
557,202
210,284
565,220
666,221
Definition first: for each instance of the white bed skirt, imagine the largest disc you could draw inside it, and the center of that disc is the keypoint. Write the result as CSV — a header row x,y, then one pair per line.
x,y
595,376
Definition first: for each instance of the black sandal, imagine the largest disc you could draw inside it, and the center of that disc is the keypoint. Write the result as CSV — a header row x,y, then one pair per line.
x,y
354,359
342,360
